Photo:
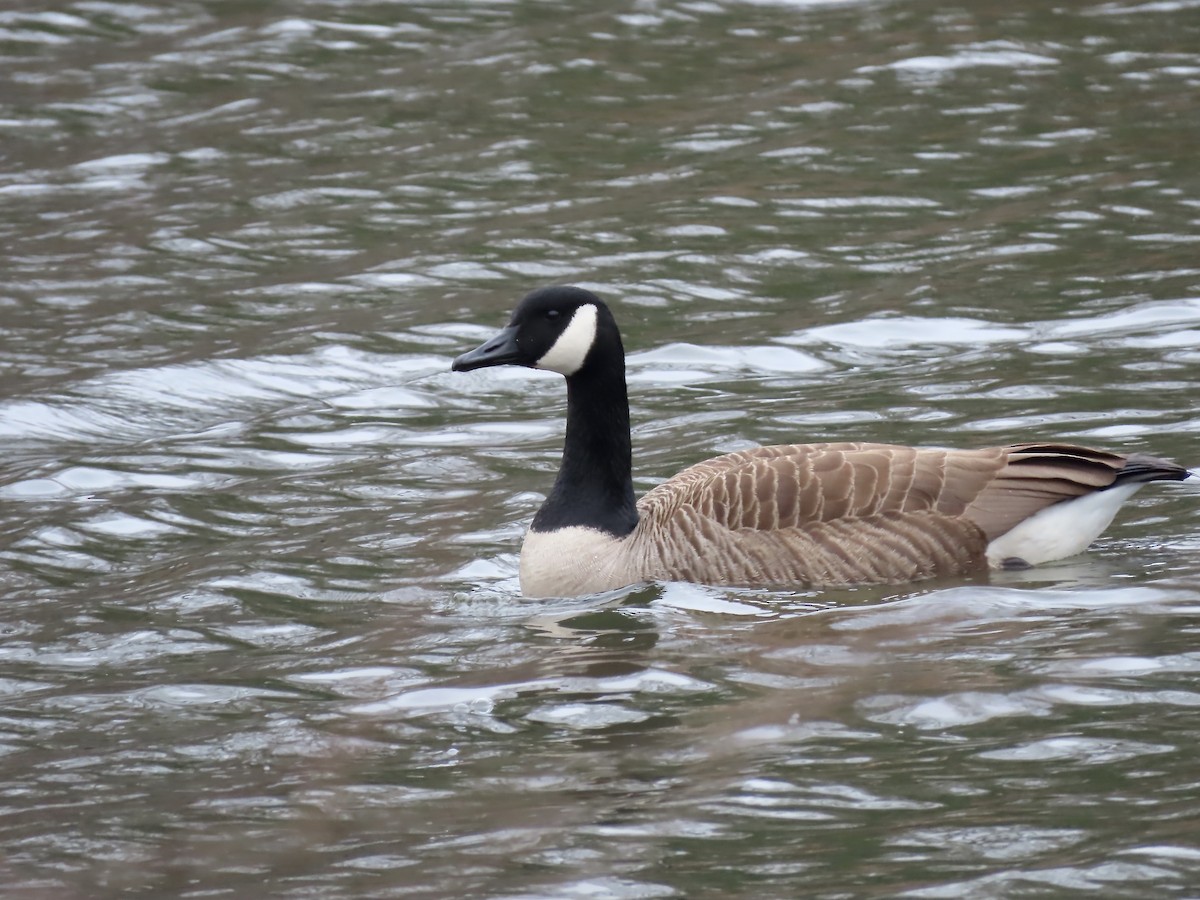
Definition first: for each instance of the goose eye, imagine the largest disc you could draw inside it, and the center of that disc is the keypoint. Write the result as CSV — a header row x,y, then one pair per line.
x,y
553,313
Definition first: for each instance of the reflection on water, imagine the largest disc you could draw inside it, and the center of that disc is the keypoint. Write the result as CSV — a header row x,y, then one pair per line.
x,y
261,631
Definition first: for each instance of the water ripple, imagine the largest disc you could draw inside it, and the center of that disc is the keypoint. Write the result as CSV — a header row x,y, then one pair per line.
x,y
254,530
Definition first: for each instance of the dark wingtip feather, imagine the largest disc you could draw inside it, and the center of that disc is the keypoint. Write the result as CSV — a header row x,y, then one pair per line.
x,y
1140,468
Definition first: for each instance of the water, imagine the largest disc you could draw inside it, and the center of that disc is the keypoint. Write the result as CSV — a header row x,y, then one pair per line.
x,y
261,628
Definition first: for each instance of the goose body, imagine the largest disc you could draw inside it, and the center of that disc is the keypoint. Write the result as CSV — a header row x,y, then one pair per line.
x,y
799,515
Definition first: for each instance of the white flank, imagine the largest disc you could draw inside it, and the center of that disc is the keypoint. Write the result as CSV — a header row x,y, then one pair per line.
x,y
569,562
572,346
1061,530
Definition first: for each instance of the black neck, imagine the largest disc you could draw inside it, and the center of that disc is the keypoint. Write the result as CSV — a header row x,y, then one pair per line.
x,y
594,487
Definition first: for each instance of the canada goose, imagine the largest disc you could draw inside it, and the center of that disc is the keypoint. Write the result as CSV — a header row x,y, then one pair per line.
x,y
801,515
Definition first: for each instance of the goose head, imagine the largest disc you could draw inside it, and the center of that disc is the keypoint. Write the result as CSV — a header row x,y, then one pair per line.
x,y
560,328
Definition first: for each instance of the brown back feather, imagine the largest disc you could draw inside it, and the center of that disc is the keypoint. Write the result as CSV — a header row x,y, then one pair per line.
x,y
850,513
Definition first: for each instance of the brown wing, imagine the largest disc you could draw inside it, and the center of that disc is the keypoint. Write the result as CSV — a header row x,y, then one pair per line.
x,y
849,513
1039,475
771,488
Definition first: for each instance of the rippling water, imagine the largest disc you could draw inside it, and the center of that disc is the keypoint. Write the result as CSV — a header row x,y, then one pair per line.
x,y
261,627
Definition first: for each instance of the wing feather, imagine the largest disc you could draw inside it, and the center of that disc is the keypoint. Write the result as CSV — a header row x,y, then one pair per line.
x,y
845,513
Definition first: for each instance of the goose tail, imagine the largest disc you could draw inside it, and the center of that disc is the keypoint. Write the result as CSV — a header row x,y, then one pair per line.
x,y
1142,469
1069,526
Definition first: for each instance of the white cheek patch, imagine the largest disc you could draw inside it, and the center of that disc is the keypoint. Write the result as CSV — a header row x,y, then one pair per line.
x,y
571,348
